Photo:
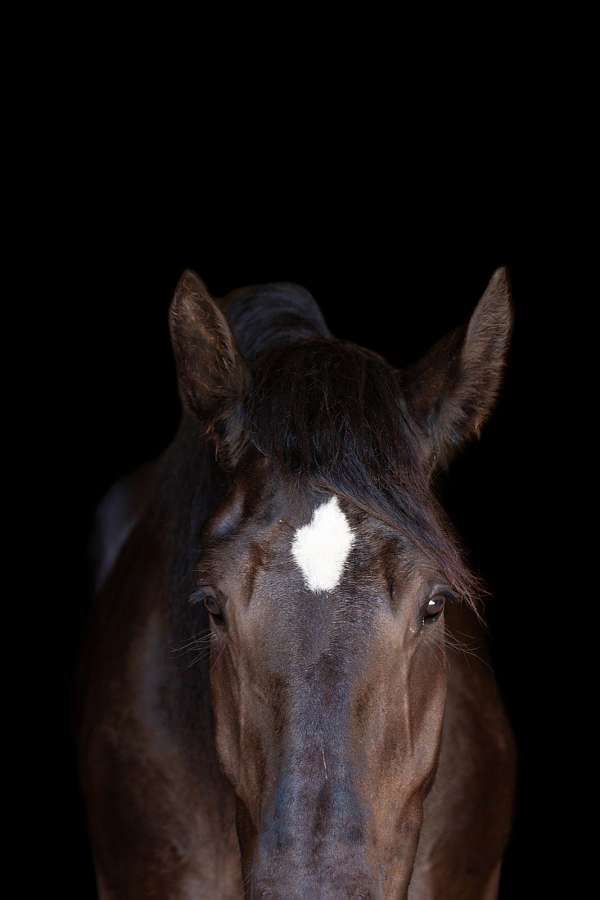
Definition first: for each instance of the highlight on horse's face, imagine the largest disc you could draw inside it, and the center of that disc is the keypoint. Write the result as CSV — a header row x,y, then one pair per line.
x,y
326,570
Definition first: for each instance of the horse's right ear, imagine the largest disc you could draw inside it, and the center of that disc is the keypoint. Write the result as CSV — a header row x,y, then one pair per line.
x,y
213,377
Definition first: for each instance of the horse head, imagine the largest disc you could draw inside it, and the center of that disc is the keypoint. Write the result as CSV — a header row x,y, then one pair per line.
x,y
326,566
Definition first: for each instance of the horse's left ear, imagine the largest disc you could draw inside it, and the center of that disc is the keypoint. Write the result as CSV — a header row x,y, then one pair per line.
x,y
212,375
452,390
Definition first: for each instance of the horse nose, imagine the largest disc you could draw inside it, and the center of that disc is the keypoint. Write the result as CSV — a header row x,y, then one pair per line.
x,y
313,841
294,875
309,890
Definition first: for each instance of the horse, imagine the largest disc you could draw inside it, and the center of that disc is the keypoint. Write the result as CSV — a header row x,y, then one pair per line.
x,y
277,694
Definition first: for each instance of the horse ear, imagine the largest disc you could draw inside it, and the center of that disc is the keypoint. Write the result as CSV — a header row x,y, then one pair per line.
x,y
452,390
213,377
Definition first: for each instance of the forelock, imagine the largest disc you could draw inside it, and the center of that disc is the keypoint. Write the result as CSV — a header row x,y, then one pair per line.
x,y
332,415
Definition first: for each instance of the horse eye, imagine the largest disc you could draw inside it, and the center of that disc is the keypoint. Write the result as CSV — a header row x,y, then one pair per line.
x,y
213,606
210,601
433,608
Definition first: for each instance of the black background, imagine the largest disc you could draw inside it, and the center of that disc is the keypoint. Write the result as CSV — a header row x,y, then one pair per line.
x,y
388,275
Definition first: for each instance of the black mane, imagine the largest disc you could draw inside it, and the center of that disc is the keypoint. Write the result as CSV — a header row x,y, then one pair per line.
x,y
265,316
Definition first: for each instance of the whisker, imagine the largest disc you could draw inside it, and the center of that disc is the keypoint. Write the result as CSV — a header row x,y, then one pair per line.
x,y
197,639
450,641
199,658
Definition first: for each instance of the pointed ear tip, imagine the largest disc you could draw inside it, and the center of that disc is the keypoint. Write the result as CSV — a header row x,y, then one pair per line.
x,y
189,282
497,297
500,282
190,289
494,314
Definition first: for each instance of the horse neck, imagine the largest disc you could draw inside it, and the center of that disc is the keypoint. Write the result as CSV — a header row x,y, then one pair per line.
x,y
191,486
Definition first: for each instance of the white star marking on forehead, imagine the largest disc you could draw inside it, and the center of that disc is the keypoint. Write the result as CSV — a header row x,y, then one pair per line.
x,y
321,548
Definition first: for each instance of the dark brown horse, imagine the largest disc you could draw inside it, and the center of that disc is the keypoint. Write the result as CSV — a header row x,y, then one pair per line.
x,y
273,702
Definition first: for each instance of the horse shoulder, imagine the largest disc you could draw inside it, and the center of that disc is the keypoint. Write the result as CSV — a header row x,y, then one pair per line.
x,y
161,826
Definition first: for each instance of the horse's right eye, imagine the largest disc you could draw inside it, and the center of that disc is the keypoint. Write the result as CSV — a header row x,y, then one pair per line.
x,y
210,601
212,605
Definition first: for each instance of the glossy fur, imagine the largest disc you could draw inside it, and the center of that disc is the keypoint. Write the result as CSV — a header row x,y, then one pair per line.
x,y
245,735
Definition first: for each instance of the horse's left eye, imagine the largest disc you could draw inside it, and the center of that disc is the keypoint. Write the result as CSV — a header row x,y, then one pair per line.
x,y
433,608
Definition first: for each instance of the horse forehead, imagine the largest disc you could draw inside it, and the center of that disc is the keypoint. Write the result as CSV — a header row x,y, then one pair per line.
x,y
321,547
